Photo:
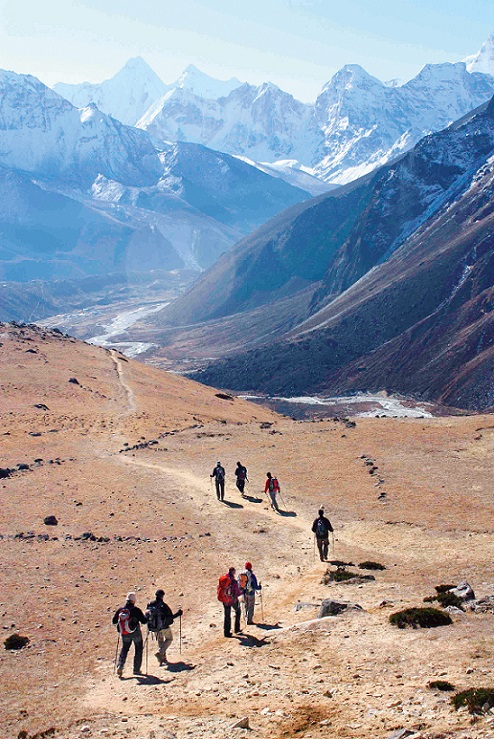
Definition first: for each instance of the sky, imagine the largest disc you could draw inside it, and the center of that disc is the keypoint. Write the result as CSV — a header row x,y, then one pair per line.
x,y
296,44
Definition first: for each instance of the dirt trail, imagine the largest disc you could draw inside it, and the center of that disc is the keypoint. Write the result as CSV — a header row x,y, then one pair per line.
x,y
131,405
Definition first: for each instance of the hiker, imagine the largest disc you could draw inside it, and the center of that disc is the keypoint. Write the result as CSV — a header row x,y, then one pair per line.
x,y
272,487
249,585
219,479
321,528
128,619
241,475
160,619
229,593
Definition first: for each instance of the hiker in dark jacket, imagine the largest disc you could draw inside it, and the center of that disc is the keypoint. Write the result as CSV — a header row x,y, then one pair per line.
x,y
219,479
128,619
160,619
241,475
321,528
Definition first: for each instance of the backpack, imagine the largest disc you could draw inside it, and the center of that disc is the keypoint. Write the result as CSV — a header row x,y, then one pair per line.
x,y
244,581
273,484
220,473
321,528
242,473
124,623
156,622
224,590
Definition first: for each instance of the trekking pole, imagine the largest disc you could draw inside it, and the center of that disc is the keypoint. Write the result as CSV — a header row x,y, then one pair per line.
x,y
332,542
262,607
180,634
116,654
314,548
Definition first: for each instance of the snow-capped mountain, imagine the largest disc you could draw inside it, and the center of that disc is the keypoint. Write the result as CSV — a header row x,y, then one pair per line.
x,y
42,133
126,96
132,91
95,190
203,85
483,61
365,123
263,123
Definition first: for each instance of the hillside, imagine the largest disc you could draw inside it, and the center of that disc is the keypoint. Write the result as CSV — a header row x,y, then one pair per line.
x,y
135,514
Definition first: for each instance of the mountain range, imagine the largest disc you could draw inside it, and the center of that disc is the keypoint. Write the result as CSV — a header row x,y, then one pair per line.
x,y
386,283
356,123
83,194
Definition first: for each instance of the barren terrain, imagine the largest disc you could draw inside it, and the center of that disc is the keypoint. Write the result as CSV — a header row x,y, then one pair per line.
x,y
137,514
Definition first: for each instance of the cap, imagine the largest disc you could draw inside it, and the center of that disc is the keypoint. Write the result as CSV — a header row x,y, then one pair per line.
x,y
218,462
248,566
160,593
132,597
321,511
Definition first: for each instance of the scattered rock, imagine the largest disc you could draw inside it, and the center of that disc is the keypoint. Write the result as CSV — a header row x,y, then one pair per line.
x,y
224,396
333,608
16,641
454,611
266,425
482,605
242,723
400,734
300,605
41,406
50,521
74,381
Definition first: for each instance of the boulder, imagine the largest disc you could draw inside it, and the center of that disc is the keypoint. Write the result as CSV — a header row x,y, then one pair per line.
x,y
50,521
463,591
334,608
482,605
242,723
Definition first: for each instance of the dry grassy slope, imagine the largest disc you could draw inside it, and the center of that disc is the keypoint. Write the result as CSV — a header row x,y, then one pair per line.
x,y
435,525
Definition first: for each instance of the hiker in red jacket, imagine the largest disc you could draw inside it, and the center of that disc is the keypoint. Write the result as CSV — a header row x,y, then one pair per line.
x,y
272,487
229,592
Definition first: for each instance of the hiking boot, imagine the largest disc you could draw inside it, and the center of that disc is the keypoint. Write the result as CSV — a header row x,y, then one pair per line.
x,y
250,623
119,671
227,636
138,672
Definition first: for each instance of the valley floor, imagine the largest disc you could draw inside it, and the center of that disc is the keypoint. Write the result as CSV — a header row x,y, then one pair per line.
x,y
425,512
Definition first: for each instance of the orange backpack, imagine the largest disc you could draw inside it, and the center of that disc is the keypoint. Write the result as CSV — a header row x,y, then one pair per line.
x,y
224,589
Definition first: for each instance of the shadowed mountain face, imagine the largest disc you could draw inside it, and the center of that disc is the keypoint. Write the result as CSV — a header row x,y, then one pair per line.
x,y
405,303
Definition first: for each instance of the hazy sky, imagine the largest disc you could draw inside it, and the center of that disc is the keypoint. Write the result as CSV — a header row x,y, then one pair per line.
x,y
297,44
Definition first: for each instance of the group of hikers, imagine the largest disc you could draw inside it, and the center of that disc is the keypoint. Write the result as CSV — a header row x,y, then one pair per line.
x,y
232,592
271,487
158,617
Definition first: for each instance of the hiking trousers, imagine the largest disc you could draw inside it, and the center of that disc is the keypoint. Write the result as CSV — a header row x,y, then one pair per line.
x,y
250,602
323,546
165,638
227,624
241,485
272,495
128,639
220,488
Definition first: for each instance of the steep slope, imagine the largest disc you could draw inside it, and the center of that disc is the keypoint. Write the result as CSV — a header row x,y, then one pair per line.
x,y
420,323
483,61
338,237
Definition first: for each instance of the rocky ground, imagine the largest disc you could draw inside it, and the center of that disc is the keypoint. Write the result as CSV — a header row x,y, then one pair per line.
x,y
120,453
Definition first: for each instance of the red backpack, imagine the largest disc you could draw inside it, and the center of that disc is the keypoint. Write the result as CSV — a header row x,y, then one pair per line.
x,y
225,589
124,625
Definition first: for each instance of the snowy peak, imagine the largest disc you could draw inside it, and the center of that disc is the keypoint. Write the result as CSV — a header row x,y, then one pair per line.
x,y
483,61
203,85
126,96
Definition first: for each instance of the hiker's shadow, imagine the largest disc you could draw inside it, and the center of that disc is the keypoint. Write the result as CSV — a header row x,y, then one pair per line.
x,y
148,680
252,499
180,667
268,627
246,640
231,504
287,514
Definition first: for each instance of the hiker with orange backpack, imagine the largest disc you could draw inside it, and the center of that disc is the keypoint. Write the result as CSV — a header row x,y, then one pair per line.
x,y
229,593
272,487
249,585
128,619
